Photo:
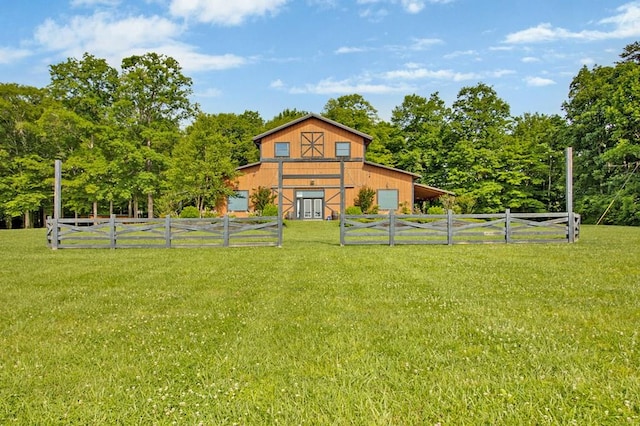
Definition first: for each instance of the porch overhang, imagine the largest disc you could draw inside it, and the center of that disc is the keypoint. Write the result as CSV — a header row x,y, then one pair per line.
x,y
425,193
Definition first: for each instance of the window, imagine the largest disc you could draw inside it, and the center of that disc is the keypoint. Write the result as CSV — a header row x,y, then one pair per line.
x,y
388,199
282,149
312,144
343,149
239,202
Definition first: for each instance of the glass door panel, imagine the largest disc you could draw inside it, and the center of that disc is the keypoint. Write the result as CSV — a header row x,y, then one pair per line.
x,y
317,208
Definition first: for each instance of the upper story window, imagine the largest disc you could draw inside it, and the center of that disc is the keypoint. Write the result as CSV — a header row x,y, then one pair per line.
x,y
312,144
343,149
282,149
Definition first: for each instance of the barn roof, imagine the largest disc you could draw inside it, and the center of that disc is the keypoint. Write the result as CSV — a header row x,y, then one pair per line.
x,y
258,139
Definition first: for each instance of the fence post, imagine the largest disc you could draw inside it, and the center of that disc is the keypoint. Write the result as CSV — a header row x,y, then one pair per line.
x,y
112,231
54,232
450,227
392,228
167,231
225,231
342,204
571,236
507,226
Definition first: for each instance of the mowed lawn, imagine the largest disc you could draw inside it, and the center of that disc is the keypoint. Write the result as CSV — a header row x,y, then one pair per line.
x,y
314,333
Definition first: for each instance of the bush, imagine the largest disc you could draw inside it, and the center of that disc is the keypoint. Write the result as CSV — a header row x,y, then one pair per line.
x,y
262,197
353,210
436,210
364,200
190,212
270,210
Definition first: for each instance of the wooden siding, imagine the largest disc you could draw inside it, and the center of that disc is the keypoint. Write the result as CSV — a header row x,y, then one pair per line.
x,y
325,176
292,135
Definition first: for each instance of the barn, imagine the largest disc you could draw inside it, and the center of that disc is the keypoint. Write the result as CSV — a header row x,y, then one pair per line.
x,y
318,167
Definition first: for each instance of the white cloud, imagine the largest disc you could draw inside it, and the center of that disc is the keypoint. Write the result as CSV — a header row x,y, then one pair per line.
x,y
224,12
459,53
332,87
92,3
423,73
625,24
105,36
211,92
538,81
587,61
412,6
530,59
102,35
194,61
424,43
346,49
420,73
276,84
9,55
499,73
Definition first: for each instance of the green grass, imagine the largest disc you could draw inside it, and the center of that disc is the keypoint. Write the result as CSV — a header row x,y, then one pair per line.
x,y
315,333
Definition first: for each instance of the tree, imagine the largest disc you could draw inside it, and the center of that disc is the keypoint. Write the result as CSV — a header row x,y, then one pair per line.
x,y
352,111
604,111
24,165
152,102
480,123
420,127
533,174
202,169
86,89
284,117
239,130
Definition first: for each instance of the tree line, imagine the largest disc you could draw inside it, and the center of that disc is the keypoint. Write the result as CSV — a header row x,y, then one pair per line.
x,y
132,142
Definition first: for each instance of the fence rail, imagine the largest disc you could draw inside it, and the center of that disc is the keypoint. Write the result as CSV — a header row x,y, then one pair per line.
x,y
452,228
168,232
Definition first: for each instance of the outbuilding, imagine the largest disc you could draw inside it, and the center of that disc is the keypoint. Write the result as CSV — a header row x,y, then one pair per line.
x,y
318,167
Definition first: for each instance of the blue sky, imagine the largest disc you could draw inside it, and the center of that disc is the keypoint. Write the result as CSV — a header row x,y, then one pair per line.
x,y
268,55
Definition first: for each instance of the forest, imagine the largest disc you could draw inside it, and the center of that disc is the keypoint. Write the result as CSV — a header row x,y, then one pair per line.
x,y
133,143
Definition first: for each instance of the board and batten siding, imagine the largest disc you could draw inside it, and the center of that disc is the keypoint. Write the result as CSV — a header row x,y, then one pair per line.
x,y
292,135
356,176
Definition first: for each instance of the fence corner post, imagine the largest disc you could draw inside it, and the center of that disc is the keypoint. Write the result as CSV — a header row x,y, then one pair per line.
x,y
450,227
507,226
167,231
225,231
112,231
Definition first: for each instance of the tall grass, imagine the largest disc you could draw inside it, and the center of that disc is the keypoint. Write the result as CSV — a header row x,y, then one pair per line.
x,y
315,333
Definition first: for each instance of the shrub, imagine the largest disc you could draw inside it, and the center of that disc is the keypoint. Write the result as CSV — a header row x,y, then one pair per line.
x,y
190,212
261,197
364,200
353,210
436,210
270,210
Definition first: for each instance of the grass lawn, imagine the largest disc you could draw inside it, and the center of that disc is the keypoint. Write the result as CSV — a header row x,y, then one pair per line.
x,y
315,333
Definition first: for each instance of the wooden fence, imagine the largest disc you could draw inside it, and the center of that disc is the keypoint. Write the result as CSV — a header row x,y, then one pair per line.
x,y
452,228
163,233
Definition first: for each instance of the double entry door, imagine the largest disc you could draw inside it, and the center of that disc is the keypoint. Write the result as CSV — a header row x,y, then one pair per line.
x,y
309,204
